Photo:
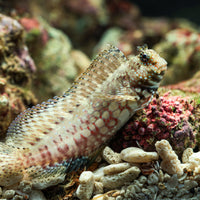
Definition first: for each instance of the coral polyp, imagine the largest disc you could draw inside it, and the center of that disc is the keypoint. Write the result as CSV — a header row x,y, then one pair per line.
x,y
167,118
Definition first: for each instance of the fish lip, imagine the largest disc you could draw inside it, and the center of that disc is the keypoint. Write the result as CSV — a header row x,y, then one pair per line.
x,y
150,87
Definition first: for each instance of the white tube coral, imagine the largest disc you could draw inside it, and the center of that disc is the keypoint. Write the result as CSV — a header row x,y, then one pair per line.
x,y
86,187
186,154
116,168
137,155
170,162
194,163
117,180
110,156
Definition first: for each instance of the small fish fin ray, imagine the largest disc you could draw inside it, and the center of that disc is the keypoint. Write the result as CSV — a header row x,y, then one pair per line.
x,y
42,178
118,97
53,175
99,70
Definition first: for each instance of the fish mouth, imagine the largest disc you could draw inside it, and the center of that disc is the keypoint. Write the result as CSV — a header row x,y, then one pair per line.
x,y
162,68
155,87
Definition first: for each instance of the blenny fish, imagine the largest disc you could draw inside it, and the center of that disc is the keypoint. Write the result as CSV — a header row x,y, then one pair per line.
x,y
57,137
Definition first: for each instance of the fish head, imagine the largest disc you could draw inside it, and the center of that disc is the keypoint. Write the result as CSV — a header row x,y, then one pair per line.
x,y
148,67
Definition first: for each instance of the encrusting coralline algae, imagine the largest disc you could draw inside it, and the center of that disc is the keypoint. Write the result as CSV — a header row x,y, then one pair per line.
x,y
170,117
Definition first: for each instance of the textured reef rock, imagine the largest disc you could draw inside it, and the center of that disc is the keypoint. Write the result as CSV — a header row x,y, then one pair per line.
x,y
189,86
58,64
128,39
16,70
23,192
169,117
83,21
152,31
181,48
90,18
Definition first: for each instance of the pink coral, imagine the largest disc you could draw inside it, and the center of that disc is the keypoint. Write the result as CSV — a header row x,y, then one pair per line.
x,y
29,23
165,118
35,33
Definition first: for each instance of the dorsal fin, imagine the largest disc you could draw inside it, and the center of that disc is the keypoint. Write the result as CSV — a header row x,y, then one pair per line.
x,y
51,111
105,64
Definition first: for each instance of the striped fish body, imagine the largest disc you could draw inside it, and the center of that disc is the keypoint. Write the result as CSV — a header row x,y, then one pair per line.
x,y
61,135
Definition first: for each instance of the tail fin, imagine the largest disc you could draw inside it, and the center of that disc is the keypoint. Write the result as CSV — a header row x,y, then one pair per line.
x,y
10,165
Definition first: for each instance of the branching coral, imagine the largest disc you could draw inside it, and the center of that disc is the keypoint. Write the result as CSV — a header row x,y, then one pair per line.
x,y
86,186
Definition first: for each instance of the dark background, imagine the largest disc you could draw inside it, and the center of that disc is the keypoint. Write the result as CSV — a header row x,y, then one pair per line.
x,y
189,9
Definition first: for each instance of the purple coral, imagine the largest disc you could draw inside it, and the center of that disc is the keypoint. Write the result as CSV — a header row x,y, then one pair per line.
x,y
13,48
165,118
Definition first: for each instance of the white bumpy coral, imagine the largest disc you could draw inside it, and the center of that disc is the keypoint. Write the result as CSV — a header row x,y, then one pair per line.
x,y
117,180
85,189
137,155
170,162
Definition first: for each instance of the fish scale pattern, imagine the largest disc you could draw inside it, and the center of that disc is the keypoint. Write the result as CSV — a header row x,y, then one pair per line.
x,y
65,133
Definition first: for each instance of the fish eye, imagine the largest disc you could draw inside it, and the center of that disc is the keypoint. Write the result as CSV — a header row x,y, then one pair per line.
x,y
144,57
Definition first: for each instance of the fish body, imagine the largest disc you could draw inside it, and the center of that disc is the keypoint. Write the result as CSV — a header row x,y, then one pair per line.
x,y
59,136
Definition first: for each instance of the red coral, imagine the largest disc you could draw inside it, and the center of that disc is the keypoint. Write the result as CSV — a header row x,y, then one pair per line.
x,y
166,118
34,30
29,23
